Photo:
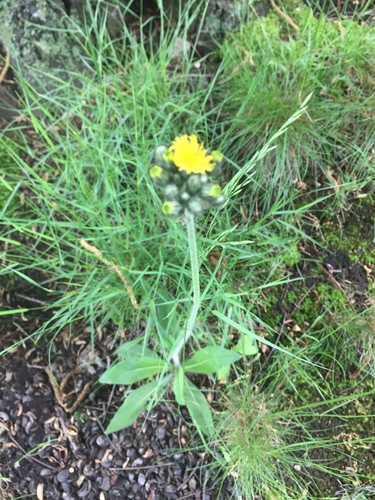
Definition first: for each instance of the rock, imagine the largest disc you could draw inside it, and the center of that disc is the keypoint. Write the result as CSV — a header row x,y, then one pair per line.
x,y
63,475
160,432
141,479
220,17
170,488
38,34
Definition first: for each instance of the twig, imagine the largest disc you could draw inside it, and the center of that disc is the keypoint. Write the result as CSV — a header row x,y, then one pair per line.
x,y
194,494
366,362
6,65
287,18
59,389
113,267
30,299
190,475
27,455
336,283
143,466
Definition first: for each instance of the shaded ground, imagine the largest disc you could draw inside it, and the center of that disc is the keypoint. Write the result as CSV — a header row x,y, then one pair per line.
x,y
57,448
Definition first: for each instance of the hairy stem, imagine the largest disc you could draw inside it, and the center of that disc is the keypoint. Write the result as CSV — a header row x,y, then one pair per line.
x,y
195,286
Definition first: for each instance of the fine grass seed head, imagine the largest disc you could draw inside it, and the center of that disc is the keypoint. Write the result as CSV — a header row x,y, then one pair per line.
x,y
183,172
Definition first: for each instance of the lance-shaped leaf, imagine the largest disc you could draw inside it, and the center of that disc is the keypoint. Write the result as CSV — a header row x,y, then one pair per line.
x,y
133,370
132,407
210,359
179,385
135,348
199,409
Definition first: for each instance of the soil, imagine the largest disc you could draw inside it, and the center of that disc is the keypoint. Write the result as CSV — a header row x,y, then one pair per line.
x,y
53,447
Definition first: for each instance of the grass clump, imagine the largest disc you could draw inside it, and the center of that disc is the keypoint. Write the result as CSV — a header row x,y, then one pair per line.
x,y
251,427
272,67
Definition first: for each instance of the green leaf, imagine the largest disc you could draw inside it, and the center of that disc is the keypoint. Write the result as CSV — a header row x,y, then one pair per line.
x,y
133,370
210,359
246,346
134,348
223,373
132,407
179,385
199,408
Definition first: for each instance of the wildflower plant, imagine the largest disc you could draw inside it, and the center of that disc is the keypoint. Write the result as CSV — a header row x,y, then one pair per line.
x,y
184,173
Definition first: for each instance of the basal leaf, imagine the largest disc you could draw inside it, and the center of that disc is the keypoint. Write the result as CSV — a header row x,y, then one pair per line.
x,y
199,409
133,370
135,348
210,359
132,407
246,346
223,373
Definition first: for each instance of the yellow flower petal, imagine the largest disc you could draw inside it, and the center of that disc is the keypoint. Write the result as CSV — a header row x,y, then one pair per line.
x,y
189,156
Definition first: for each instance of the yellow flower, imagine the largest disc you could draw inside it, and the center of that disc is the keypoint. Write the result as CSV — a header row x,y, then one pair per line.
x,y
189,156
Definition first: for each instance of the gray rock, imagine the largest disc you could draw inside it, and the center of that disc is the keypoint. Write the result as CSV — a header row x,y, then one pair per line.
x,y
141,479
160,432
63,475
170,488
38,34
219,17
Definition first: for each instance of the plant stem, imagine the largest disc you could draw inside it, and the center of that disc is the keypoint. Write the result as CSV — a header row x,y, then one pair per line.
x,y
196,289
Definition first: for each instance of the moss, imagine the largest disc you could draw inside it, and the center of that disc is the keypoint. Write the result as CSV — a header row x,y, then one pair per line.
x,y
355,237
316,302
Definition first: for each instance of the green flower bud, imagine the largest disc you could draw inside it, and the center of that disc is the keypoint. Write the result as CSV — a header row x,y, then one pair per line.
x,y
219,200
159,175
211,191
167,156
195,206
185,196
205,204
172,208
158,155
177,179
218,157
194,184
171,192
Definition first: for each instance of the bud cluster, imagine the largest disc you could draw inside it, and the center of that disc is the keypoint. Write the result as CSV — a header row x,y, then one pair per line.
x,y
183,191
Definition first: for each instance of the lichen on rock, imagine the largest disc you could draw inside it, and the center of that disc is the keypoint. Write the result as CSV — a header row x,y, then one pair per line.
x,y
39,35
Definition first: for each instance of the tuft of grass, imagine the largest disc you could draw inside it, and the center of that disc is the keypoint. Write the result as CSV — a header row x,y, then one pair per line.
x,y
272,67
273,447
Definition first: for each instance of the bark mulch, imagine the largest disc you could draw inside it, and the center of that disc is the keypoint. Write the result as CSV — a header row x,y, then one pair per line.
x,y
52,445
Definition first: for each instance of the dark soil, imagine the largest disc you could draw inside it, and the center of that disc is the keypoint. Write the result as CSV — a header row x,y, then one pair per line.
x,y
54,449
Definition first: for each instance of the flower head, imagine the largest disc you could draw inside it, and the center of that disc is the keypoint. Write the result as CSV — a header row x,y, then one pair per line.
x,y
189,156
183,172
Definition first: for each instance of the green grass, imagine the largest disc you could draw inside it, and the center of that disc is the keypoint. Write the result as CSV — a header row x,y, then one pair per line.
x,y
272,67
87,179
